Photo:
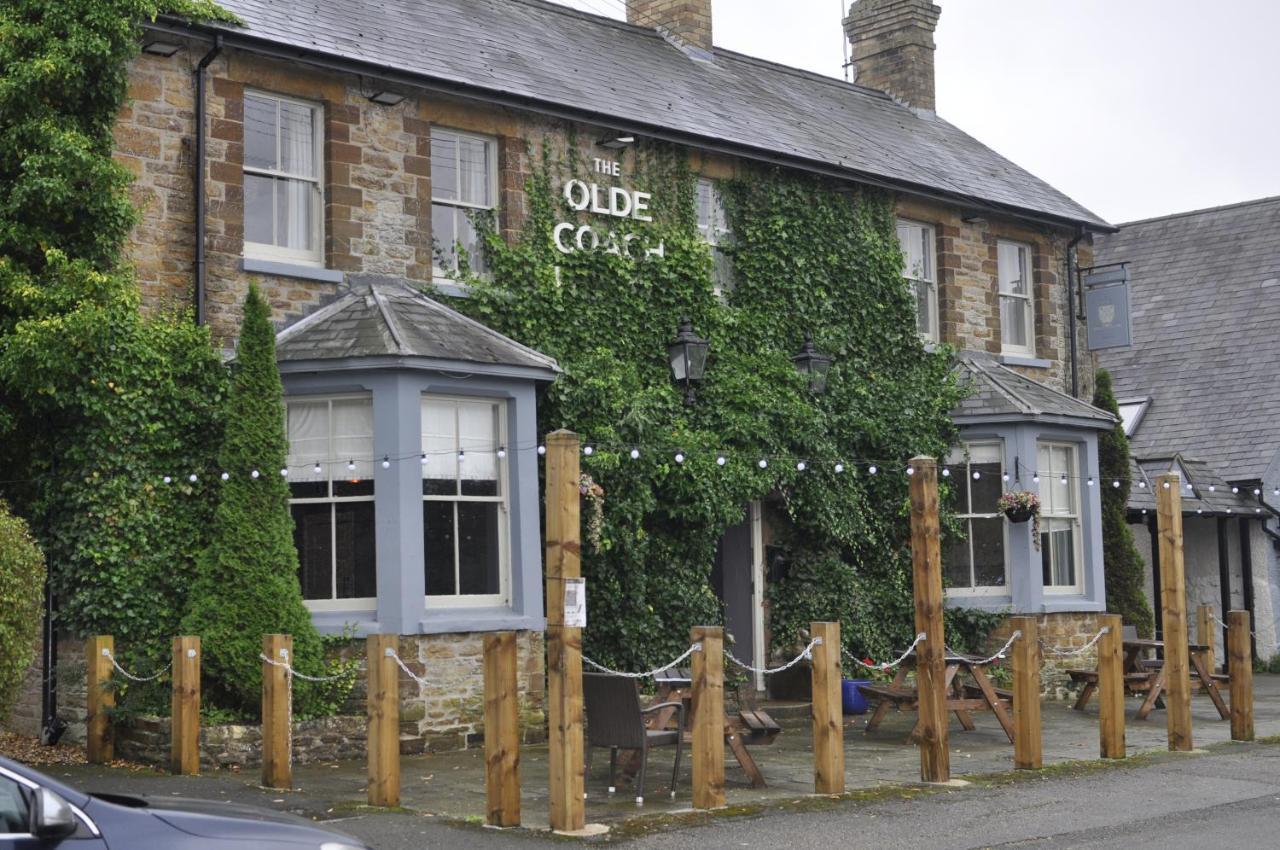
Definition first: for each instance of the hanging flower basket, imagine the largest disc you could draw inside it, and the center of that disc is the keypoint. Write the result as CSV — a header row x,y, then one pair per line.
x,y
1019,506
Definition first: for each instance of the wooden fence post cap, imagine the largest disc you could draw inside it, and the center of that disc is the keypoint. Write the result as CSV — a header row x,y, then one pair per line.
x,y
562,435
923,460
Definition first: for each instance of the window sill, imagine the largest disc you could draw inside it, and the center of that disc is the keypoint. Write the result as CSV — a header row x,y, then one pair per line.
x,y
323,275
447,620
1023,360
448,286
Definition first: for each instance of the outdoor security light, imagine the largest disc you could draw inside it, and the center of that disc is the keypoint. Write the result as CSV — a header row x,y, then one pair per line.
x,y
618,142
161,48
687,354
386,98
814,364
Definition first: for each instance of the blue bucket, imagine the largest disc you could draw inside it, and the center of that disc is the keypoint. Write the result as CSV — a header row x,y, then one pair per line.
x,y
854,701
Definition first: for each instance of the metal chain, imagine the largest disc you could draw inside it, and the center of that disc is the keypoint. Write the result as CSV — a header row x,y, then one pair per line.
x,y
1067,653
130,676
1000,653
697,647
292,672
807,652
1252,633
407,671
887,665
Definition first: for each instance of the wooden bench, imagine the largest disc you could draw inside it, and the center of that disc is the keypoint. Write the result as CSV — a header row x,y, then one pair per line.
x,y
758,727
1133,682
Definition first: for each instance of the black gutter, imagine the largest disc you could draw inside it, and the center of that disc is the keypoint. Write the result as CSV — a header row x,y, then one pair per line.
x,y
1157,604
388,74
1071,310
1246,578
199,178
1224,577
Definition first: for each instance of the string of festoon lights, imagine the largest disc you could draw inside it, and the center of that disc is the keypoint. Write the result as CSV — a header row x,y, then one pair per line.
x,y
605,453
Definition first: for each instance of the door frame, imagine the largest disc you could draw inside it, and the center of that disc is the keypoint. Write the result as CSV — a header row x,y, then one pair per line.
x,y
757,590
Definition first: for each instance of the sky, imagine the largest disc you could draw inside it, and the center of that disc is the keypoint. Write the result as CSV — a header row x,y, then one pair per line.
x,y
1134,108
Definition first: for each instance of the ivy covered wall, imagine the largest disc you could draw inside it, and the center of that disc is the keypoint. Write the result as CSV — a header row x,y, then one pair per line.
x,y
808,257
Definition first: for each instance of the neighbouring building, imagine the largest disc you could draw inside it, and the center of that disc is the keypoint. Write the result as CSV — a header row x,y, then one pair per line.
x,y
1199,395
337,152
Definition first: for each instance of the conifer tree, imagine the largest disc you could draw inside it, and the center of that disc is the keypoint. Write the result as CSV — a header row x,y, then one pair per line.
x,y
247,579
1126,595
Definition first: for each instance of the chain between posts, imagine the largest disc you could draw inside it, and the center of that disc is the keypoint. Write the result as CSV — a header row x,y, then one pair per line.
x,y
887,665
1252,633
696,647
807,652
1002,652
1067,653
123,672
292,672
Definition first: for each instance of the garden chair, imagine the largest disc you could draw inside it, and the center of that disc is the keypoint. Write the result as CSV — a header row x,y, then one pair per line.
x,y
615,720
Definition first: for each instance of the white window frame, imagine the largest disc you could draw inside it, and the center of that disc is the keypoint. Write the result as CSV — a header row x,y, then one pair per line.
x,y
929,280
263,251
330,464
715,232
1052,477
459,206
1028,301
503,500
961,457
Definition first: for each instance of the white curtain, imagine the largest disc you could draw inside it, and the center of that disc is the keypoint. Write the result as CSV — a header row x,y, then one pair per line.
x,y
352,431
308,439
295,208
477,433
439,440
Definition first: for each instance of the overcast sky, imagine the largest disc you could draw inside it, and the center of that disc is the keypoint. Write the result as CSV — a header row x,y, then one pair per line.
x,y
1135,108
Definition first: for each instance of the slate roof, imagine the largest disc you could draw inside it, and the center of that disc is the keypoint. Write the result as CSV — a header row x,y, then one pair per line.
x,y
1206,335
531,52
390,318
1209,494
998,392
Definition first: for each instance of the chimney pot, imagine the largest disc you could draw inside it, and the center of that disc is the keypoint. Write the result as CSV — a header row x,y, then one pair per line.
x,y
892,42
687,22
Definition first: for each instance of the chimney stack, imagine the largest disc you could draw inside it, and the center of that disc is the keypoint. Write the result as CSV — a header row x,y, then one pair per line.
x,y
892,43
687,22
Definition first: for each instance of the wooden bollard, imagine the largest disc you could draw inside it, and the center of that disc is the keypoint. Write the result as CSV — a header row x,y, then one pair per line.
x,y
501,730
100,699
1173,593
567,782
384,719
1206,634
828,715
1028,750
277,744
1111,743
707,721
1240,662
184,750
926,580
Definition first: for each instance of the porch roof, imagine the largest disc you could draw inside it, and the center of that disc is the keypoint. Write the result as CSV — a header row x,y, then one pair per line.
x,y
998,393
1210,494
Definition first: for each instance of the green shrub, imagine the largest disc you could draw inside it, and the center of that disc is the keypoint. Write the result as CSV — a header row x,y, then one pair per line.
x,y
21,583
246,581
1125,575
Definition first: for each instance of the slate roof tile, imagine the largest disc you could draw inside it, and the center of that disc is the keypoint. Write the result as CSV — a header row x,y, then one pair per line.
x,y
997,390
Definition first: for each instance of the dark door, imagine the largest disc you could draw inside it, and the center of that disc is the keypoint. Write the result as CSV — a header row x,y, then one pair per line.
x,y
731,577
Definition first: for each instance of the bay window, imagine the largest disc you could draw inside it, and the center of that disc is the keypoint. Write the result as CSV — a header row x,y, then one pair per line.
x,y
976,563
1060,533
1017,310
464,170
282,179
918,252
464,500
331,499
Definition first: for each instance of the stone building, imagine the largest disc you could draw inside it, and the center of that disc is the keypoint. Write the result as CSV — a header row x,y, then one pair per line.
x,y
337,153
1198,394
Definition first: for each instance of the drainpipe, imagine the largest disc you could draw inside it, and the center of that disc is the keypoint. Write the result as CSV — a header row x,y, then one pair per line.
x,y
199,193
1071,311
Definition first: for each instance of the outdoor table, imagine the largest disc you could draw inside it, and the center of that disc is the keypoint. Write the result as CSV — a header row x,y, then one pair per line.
x,y
979,695
1147,677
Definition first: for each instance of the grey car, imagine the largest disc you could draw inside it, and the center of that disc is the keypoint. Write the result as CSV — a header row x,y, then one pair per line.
x,y
39,812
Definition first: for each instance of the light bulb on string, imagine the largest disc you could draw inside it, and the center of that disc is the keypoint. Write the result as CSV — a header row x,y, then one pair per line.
x,y
226,475
800,466
977,475
1189,488
284,472
1276,492
1257,492
911,470
839,468
588,450
1063,480
542,450
1199,510
386,462
679,457
1144,511
946,473
168,480
1257,510
1115,483
1235,489
721,460
1035,479
502,452
1166,485
1089,483
422,461
193,478
871,470
762,463
254,474
1213,488
1005,478
635,454
351,466
316,469
462,456
1228,510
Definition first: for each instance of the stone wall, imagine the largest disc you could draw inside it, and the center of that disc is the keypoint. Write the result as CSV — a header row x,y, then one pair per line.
x,y
1060,631
147,740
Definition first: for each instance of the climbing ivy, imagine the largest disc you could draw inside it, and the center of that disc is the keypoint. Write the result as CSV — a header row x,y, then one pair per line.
x,y
809,257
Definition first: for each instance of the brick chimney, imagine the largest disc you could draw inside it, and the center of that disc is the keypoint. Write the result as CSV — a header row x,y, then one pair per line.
x,y
687,22
892,44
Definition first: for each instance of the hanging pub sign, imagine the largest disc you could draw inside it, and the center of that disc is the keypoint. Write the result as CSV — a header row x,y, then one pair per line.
x,y
608,202
1106,306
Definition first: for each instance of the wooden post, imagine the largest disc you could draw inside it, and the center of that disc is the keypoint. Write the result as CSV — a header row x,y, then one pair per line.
x,y
501,731
828,714
99,699
564,645
277,738
1206,634
184,751
707,721
383,679
1111,743
1240,653
926,580
1173,593
1027,743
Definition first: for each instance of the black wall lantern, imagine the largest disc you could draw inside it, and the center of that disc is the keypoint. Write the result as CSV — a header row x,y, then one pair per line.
x,y
687,354
814,364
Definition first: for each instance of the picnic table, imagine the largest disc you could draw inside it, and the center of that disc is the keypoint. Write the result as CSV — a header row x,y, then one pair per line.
x,y
978,694
748,727
1146,676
